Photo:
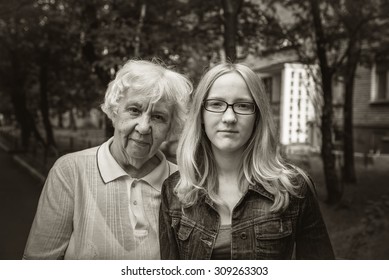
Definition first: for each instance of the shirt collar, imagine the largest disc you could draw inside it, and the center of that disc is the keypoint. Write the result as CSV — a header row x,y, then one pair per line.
x,y
110,170
156,177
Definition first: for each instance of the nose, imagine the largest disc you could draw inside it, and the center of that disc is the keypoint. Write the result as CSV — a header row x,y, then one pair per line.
x,y
143,126
229,116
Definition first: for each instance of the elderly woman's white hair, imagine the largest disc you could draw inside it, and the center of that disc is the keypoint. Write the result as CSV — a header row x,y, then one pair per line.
x,y
154,82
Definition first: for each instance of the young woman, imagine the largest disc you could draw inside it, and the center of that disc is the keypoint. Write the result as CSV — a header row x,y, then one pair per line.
x,y
234,197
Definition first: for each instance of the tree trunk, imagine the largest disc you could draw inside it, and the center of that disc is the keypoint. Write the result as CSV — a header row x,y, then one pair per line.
x,y
139,29
72,120
18,98
21,114
334,194
231,9
348,138
44,104
90,55
60,118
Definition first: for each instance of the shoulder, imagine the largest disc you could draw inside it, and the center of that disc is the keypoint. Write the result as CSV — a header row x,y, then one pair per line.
x,y
77,156
75,160
168,193
172,167
171,182
304,185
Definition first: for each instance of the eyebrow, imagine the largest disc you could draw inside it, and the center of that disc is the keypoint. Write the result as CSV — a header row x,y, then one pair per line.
x,y
160,111
133,103
239,99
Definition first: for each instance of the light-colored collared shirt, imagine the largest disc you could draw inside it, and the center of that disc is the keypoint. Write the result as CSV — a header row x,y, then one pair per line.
x,y
90,208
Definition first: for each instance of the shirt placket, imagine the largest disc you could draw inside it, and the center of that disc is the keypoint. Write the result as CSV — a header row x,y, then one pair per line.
x,y
136,209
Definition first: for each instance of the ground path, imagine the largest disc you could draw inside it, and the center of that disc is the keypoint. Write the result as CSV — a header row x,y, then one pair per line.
x,y
19,193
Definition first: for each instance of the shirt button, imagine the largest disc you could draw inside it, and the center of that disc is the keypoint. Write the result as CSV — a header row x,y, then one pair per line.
x,y
135,203
243,235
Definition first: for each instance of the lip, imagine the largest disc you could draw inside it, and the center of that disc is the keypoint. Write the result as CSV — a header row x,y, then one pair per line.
x,y
140,142
228,131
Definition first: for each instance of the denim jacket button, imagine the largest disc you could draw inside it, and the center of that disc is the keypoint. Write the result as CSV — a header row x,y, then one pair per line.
x,y
243,235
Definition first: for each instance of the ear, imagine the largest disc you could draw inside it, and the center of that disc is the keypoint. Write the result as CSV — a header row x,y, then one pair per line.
x,y
113,118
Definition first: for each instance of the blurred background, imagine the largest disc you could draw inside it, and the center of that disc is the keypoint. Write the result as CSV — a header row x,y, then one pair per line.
x,y
324,64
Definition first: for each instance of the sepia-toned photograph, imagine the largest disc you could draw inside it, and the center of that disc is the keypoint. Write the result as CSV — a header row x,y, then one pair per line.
x,y
194,130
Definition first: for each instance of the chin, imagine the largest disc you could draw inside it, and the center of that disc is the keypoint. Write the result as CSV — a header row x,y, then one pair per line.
x,y
229,149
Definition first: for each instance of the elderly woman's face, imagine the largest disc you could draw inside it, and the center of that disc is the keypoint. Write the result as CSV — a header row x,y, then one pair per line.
x,y
140,128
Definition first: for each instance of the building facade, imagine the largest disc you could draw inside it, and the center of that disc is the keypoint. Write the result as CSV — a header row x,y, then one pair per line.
x,y
293,97
370,108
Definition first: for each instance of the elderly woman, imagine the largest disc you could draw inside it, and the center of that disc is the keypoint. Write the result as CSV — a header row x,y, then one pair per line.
x,y
103,202
234,197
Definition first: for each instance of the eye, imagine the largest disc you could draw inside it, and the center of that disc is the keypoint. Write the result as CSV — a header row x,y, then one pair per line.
x,y
244,106
158,118
215,104
134,111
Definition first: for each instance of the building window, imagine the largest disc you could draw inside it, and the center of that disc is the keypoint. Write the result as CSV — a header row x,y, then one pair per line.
x,y
381,82
382,87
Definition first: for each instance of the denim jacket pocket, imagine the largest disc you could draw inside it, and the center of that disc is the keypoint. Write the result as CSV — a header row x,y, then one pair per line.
x,y
183,229
273,238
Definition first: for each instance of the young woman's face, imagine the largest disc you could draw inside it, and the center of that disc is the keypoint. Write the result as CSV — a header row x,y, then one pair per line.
x,y
229,131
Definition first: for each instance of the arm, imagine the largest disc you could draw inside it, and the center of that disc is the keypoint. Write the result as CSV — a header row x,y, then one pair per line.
x,y
53,224
167,240
312,240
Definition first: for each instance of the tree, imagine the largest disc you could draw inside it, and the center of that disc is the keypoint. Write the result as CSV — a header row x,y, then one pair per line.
x,y
231,9
327,72
63,53
363,23
17,51
333,34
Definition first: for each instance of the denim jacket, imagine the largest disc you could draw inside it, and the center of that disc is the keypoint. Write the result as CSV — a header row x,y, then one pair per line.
x,y
190,233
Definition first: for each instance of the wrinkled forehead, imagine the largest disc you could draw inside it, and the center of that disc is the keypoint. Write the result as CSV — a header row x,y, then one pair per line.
x,y
158,101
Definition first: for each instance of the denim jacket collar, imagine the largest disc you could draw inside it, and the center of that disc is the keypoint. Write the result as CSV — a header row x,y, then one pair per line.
x,y
258,188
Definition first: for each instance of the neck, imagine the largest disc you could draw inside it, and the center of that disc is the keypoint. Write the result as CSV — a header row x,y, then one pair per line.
x,y
136,168
143,170
228,164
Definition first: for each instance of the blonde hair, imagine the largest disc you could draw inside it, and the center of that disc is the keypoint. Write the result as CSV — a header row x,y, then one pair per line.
x,y
152,81
261,161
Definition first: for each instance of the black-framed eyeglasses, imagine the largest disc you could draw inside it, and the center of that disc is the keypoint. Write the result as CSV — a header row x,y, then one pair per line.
x,y
220,106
